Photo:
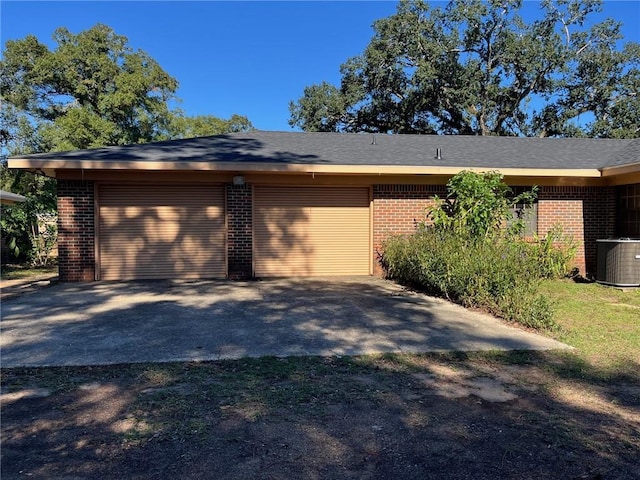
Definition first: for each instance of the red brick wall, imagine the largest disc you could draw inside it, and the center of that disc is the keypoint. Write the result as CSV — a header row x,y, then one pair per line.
x,y
239,231
586,213
399,209
76,231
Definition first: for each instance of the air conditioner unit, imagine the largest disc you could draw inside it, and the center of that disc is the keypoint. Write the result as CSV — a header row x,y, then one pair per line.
x,y
618,262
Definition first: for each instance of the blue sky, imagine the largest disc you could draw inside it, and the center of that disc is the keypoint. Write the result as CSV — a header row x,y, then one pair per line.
x,y
250,58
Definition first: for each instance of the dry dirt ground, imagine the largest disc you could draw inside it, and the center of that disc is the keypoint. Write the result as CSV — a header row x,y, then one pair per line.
x,y
458,416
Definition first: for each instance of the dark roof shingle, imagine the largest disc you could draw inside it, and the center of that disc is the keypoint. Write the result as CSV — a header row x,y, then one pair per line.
x,y
374,149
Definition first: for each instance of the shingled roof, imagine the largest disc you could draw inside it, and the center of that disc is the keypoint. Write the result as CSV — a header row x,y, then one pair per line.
x,y
296,148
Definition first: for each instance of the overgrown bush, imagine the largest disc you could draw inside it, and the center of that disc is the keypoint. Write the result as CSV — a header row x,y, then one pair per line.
x,y
479,205
554,252
472,254
500,277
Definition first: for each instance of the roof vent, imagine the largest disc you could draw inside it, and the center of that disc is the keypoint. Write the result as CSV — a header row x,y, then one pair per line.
x,y
438,154
373,141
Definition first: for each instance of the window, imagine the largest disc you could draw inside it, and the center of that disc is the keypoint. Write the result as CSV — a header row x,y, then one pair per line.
x,y
628,208
526,213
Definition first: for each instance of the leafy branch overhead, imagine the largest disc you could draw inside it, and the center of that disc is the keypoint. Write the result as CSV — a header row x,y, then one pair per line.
x,y
92,90
477,68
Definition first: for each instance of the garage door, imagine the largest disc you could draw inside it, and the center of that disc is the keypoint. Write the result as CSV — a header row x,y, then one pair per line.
x,y
161,232
302,231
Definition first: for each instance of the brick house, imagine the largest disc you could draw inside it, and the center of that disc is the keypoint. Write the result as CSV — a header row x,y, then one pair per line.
x,y
265,204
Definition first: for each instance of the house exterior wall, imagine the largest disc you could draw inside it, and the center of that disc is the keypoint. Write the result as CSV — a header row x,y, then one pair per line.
x,y
586,213
76,231
239,230
399,209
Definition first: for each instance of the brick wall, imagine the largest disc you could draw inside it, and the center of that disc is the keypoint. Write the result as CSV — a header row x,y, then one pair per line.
x,y
76,231
399,209
586,213
239,230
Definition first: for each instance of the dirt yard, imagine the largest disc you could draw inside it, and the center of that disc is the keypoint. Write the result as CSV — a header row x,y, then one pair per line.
x,y
393,417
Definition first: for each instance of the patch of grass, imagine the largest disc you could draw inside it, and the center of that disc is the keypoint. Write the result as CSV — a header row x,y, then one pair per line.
x,y
19,272
602,323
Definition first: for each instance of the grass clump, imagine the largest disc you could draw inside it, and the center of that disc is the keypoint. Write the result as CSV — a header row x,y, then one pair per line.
x,y
18,272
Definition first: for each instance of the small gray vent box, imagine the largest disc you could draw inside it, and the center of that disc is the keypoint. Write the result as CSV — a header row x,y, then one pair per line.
x,y
618,262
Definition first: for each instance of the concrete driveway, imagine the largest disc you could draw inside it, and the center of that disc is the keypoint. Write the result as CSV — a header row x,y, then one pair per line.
x,y
110,323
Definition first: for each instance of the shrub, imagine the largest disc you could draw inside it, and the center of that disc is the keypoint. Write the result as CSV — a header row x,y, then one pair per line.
x,y
479,205
554,253
473,254
501,277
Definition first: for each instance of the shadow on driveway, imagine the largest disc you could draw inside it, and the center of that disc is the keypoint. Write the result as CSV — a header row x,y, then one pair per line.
x,y
110,323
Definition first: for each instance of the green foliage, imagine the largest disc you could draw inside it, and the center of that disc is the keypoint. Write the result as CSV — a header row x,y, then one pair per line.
x,y
205,125
498,276
471,255
476,67
91,90
478,205
554,253
319,110
29,227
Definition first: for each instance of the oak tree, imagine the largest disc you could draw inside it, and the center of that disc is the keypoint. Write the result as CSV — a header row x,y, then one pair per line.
x,y
478,68
91,90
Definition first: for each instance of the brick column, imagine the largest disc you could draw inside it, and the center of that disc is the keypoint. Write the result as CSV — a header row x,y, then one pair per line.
x,y
239,231
76,231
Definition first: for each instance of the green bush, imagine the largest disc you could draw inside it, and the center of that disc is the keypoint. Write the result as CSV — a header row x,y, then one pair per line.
x,y
554,253
501,276
472,252
480,205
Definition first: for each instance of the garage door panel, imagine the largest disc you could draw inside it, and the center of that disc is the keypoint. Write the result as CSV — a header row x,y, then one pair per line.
x,y
303,231
149,232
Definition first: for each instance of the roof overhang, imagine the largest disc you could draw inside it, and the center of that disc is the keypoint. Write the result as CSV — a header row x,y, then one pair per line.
x,y
622,174
49,168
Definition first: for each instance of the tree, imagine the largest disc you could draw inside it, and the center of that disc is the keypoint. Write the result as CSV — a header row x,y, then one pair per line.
x,y
92,90
205,125
480,206
476,68
29,227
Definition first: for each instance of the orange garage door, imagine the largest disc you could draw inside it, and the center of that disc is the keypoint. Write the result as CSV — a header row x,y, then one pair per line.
x,y
161,232
300,231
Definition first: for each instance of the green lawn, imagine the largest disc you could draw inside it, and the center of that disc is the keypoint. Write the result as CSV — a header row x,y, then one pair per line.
x,y
602,323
